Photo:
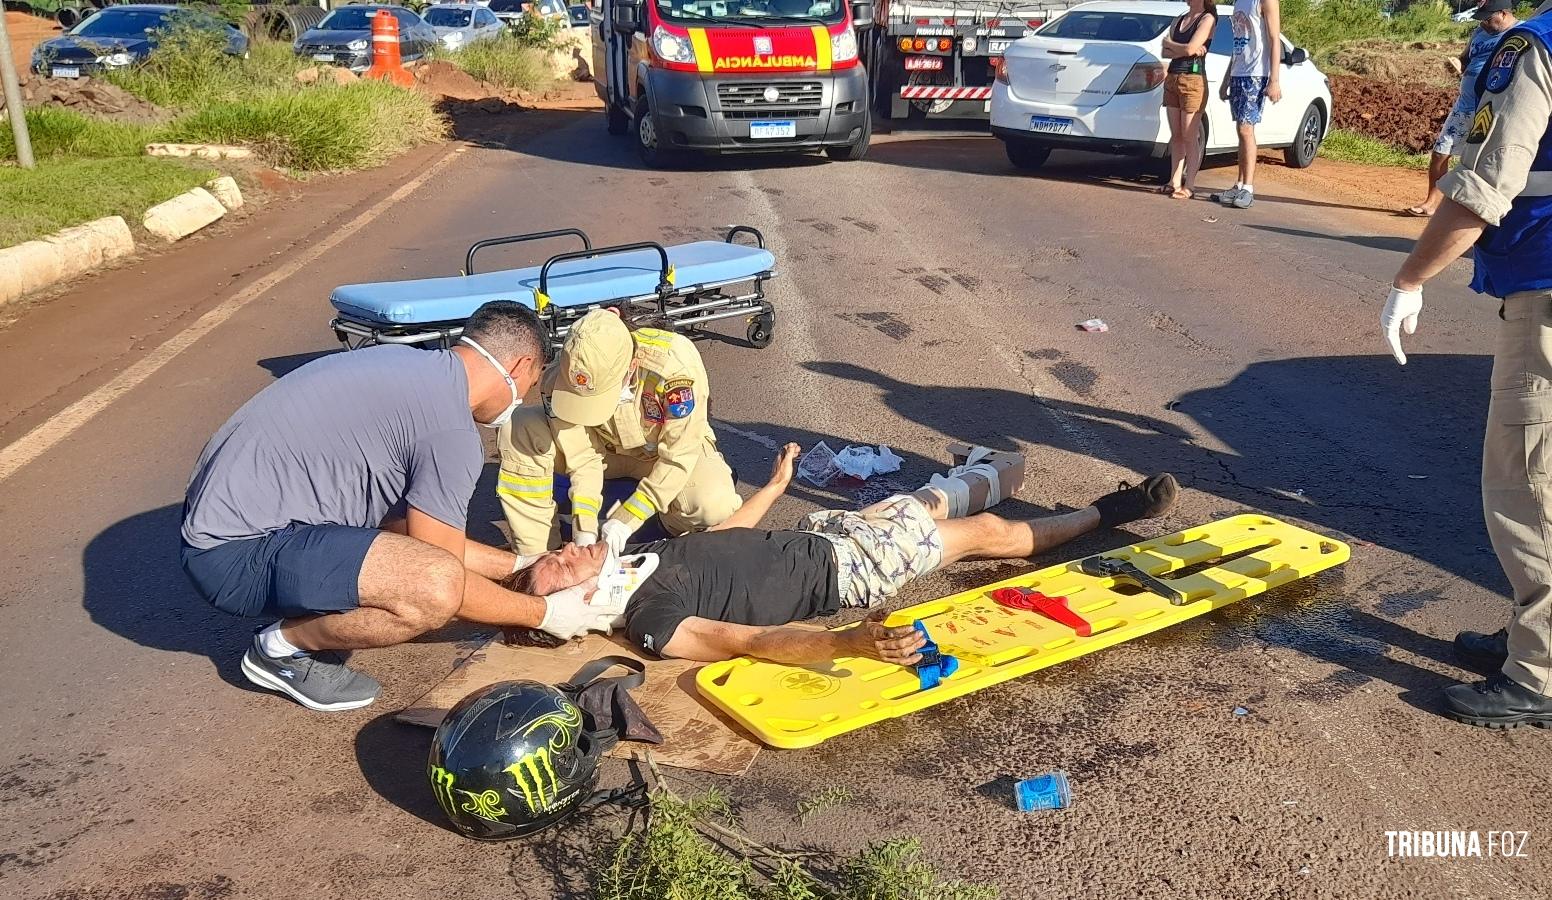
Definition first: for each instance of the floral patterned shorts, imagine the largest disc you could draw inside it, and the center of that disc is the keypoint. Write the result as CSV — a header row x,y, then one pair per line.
x,y
879,549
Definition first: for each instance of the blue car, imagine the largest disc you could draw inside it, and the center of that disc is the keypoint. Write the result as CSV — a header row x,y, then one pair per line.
x,y
121,36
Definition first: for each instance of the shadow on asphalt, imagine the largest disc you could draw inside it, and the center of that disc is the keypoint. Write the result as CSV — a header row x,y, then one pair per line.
x,y
1372,241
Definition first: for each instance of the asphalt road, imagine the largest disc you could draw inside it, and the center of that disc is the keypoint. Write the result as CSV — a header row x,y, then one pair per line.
x,y
927,295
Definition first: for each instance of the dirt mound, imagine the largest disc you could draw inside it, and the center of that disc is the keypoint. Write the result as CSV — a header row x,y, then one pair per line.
x,y
443,79
90,95
1427,63
1405,115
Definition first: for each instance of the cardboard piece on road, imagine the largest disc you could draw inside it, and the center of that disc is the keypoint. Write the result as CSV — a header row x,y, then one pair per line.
x,y
695,735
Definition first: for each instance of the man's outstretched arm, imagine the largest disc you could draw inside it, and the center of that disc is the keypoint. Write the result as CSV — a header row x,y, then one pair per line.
x,y
707,640
759,503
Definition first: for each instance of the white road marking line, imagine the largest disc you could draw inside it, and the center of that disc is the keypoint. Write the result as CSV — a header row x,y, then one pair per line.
x,y
41,439
760,439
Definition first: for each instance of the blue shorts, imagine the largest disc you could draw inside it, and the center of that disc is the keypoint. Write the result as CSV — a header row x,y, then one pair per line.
x,y
300,570
1247,95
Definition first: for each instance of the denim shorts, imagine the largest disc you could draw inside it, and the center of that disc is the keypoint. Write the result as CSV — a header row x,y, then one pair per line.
x,y
300,570
1247,95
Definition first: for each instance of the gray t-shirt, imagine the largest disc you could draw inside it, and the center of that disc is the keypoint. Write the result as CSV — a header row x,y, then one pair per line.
x,y
343,440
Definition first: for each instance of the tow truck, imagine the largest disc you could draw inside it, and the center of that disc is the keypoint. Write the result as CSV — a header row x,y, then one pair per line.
x,y
938,58
733,76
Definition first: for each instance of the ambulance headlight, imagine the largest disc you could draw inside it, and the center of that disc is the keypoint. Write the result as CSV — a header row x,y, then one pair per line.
x,y
672,47
843,46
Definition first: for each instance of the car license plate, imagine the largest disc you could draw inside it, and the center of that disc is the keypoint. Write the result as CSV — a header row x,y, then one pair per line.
x,y
786,129
324,57
1050,124
997,46
65,71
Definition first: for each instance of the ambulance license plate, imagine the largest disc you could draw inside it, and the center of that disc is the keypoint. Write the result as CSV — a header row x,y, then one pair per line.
x,y
65,71
767,130
1050,124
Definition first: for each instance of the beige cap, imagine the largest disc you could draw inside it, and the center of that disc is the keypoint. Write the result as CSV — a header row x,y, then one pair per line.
x,y
583,384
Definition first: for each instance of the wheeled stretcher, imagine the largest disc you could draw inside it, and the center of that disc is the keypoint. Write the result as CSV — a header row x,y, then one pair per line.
x,y
682,287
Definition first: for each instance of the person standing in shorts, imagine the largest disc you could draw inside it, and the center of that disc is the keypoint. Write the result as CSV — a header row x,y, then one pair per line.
x,y
1496,17
1185,92
1254,73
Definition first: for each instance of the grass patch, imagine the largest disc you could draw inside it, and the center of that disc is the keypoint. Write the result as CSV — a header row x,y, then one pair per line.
x,y
190,72
1321,26
507,62
54,195
1350,146
60,132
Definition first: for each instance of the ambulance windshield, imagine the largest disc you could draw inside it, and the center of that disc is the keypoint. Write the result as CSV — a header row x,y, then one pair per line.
x,y
752,12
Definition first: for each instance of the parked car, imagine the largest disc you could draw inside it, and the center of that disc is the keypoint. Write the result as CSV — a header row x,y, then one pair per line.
x,y
461,24
344,37
581,15
121,36
1092,80
510,11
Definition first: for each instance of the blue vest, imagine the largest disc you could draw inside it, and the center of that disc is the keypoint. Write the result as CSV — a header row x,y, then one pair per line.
x,y
1516,254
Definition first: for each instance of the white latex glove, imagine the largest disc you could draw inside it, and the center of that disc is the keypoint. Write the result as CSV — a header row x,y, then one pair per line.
x,y
1400,314
567,613
615,533
584,538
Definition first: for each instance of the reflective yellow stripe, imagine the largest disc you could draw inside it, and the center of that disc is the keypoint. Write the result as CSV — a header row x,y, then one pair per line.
x,y
512,478
652,339
639,506
702,49
822,47
586,504
523,493
541,300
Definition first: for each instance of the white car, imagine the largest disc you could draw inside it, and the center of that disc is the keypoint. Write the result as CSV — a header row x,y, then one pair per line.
x,y
1093,78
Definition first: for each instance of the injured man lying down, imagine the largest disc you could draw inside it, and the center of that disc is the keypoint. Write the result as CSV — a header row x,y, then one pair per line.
x,y
736,589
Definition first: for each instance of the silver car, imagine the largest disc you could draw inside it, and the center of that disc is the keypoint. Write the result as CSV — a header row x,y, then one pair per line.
x,y
461,24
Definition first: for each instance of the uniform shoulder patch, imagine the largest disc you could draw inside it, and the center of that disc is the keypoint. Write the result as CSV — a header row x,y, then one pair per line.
x,y
679,397
1481,124
1500,69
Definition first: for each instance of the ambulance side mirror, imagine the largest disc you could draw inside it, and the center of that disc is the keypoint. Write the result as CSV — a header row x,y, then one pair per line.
x,y
862,14
625,15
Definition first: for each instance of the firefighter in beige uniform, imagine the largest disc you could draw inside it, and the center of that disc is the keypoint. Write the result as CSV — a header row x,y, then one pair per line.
x,y
617,403
1500,200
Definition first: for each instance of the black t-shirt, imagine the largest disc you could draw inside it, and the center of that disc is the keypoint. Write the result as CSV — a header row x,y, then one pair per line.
x,y
741,575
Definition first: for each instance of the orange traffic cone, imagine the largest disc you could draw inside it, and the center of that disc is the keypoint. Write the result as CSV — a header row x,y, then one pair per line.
x,y
386,63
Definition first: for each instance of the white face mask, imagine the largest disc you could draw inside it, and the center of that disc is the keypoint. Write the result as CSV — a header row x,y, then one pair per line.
x,y
502,417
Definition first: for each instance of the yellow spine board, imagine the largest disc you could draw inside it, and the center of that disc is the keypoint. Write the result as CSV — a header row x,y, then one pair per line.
x,y
800,706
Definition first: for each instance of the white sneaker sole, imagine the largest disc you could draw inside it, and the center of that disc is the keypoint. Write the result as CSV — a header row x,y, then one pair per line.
x,y
267,681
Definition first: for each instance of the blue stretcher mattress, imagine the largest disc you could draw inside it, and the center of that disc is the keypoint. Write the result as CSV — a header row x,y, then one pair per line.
x,y
572,283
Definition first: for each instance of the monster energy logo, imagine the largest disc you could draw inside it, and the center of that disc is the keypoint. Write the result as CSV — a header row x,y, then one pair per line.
x,y
534,771
484,804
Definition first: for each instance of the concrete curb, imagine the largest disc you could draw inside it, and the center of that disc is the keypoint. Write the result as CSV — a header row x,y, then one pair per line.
x,y
226,191
66,254
176,219
203,151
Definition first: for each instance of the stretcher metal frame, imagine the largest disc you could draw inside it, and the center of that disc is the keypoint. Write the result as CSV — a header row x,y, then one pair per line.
x,y
683,308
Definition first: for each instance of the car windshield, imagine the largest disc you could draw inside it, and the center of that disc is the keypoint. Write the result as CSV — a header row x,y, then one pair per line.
x,y
447,18
741,12
121,23
1106,26
349,18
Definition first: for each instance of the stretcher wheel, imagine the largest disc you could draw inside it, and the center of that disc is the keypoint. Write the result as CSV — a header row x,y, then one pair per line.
x,y
761,330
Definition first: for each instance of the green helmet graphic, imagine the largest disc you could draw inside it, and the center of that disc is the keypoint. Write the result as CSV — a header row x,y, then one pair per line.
x,y
512,759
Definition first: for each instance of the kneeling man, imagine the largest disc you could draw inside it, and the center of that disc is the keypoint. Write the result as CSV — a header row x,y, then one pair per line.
x,y
735,590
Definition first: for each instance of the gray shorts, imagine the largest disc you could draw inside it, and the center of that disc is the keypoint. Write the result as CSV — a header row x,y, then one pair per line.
x,y
880,549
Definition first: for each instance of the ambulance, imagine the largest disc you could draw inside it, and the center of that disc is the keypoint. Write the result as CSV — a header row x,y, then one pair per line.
x,y
733,76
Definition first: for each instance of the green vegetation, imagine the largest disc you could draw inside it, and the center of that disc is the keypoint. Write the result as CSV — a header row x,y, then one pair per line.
x,y
64,192
829,798
59,132
673,859
1350,146
191,68
507,62
1321,26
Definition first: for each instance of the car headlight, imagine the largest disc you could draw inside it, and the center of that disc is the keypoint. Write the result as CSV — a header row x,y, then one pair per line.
x,y
843,46
672,47
357,45
452,38
114,60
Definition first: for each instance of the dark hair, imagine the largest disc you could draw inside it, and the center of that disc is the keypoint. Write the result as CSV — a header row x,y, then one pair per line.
x,y
507,330
520,581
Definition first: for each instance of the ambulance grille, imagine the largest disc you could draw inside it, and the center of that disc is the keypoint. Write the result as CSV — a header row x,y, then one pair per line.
x,y
794,99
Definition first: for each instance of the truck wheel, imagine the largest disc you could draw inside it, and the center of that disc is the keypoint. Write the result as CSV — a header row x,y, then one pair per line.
x,y
1027,154
856,149
649,144
618,121
1306,143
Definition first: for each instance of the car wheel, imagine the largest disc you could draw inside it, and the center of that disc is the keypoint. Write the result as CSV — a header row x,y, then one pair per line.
x,y
1306,143
1027,154
856,149
649,143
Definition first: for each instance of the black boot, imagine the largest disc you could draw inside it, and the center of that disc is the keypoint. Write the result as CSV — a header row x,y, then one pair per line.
x,y
1485,653
1154,497
1498,702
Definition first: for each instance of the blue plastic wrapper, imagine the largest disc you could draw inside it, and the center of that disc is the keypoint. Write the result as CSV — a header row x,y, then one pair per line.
x,y
1048,791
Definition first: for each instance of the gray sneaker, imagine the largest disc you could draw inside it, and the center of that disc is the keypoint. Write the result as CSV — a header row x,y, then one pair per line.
x,y
318,681
1226,196
1243,199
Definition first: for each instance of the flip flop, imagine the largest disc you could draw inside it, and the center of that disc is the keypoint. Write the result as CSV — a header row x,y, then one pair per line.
x,y
1415,212
1166,190
1182,194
